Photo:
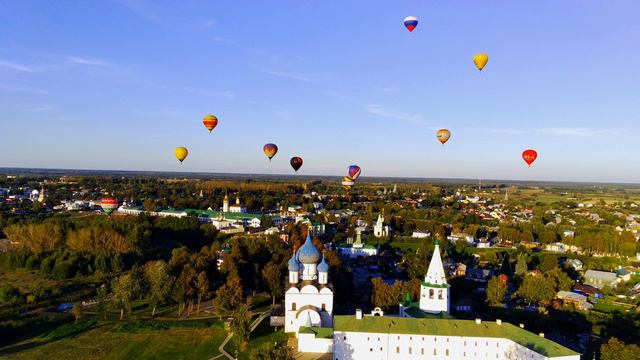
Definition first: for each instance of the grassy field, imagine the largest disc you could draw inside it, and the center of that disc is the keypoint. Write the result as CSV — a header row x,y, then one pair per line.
x,y
113,340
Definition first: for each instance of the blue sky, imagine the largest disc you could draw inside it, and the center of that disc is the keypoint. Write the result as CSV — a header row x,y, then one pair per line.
x,y
120,84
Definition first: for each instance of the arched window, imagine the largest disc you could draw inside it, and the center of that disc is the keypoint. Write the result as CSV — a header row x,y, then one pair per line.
x,y
293,307
440,294
430,293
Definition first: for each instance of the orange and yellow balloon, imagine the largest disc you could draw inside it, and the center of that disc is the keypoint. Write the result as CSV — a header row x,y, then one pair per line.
x,y
270,150
181,153
443,135
210,122
480,60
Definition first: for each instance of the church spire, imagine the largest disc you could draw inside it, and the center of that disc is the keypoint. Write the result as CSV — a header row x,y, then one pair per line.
x,y
435,274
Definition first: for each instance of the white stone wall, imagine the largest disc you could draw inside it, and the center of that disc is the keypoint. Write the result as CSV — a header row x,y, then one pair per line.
x,y
382,346
308,295
309,344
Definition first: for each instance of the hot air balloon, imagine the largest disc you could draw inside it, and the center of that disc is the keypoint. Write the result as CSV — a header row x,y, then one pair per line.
x,y
181,153
480,60
347,183
296,163
410,22
529,156
443,135
354,171
210,122
270,150
108,205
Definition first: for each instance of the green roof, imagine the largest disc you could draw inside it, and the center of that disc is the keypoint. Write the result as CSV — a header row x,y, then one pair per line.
x,y
415,312
447,327
435,285
214,214
322,333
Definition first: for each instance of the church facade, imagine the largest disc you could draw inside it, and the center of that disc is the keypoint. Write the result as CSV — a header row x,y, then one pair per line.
x,y
309,297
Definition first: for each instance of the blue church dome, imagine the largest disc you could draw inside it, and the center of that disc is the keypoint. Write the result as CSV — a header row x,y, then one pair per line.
x,y
308,254
323,267
294,265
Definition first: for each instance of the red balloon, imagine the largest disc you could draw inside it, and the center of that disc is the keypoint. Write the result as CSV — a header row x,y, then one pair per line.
x,y
296,163
529,156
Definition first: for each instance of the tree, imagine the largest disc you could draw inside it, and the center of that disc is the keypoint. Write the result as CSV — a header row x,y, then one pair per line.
x,y
228,296
549,262
76,310
521,265
272,275
103,299
273,351
536,289
561,280
203,287
615,349
122,293
495,292
160,282
241,324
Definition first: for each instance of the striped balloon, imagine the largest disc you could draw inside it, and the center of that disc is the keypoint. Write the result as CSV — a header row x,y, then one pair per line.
x,y
210,122
410,22
108,205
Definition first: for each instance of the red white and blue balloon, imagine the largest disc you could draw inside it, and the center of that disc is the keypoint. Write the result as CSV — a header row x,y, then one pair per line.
x,y
410,22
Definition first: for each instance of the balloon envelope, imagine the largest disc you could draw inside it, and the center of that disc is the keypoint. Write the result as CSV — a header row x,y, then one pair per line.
x,y
210,122
347,181
529,156
410,22
181,153
108,205
480,60
270,150
354,171
443,135
296,163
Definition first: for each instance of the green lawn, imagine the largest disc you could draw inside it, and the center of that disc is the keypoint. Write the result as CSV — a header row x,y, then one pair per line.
x,y
608,307
114,340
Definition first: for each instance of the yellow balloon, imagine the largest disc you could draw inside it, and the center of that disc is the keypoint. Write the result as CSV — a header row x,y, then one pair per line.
x,y
181,153
443,135
481,60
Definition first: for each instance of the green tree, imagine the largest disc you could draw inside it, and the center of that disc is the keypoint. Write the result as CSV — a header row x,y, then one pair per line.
x,y
76,310
241,324
521,265
272,276
273,351
536,289
561,280
122,287
495,292
203,287
103,299
615,349
228,296
160,282
549,262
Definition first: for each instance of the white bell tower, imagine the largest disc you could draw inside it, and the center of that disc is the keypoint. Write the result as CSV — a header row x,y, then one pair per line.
x,y
434,291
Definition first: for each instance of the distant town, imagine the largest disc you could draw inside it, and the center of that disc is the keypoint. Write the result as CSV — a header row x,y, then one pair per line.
x,y
278,268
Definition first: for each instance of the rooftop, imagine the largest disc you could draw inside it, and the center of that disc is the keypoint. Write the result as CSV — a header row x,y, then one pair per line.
x,y
322,333
445,327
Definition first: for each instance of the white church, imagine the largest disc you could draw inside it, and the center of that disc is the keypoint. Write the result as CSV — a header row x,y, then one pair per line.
x,y
380,229
423,330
